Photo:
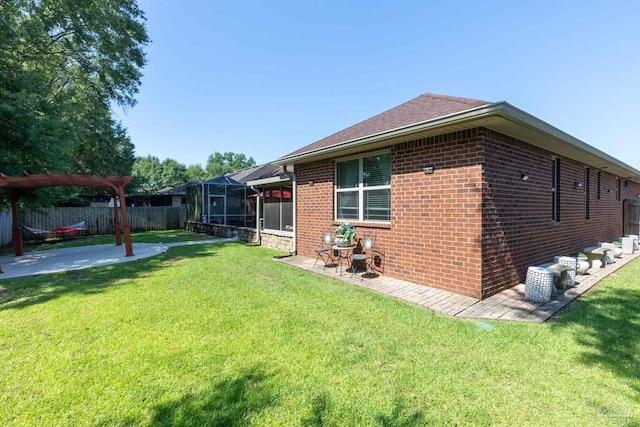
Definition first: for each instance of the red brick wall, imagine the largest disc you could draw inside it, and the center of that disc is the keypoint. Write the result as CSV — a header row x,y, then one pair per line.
x,y
314,204
517,227
437,219
473,227
435,233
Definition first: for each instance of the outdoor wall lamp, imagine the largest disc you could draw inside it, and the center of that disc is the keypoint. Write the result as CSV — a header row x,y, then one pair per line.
x,y
579,185
524,176
310,183
429,169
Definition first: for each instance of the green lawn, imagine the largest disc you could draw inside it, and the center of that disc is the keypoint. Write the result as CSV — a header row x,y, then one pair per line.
x,y
223,335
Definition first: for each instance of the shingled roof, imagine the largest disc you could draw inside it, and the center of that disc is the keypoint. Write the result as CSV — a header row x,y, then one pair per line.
x,y
425,107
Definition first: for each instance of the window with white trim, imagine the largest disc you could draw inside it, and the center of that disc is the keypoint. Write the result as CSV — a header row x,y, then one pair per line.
x,y
363,189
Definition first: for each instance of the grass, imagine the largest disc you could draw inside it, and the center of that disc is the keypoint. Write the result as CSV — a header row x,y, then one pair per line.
x,y
222,335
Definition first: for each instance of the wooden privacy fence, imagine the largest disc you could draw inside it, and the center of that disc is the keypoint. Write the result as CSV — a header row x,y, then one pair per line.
x,y
98,220
631,216
5,228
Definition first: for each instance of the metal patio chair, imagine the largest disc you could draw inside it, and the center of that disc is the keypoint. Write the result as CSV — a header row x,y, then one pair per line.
x,y
325,251
366,257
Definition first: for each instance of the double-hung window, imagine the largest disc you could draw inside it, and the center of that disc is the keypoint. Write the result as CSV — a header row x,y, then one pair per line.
x,y
363,189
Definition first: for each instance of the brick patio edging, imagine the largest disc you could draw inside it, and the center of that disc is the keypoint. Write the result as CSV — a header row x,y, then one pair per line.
x,y
509,305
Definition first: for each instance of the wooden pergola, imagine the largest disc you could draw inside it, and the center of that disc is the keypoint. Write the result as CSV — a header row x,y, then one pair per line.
x,y
114,185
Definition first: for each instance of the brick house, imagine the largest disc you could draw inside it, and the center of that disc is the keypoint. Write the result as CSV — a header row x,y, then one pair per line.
x,y
462,194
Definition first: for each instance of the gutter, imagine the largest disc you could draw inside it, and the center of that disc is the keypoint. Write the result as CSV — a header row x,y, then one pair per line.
x,y
258,235
516,115
456,118
294,179
485,116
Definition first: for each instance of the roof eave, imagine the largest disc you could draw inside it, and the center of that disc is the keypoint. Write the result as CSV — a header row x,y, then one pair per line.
x,y
286,177
437,123
528,128
500,116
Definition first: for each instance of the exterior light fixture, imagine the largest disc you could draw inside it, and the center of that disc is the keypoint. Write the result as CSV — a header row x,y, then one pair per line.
x,y
579,185
429,169
524,176
310,183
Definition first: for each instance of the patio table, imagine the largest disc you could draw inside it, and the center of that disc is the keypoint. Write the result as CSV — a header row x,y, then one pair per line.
x,y
344,252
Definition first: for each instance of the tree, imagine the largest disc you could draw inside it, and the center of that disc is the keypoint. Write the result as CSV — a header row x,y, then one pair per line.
x,y
195,173
151,175
103,147
146,172
62,65
172,173
221,164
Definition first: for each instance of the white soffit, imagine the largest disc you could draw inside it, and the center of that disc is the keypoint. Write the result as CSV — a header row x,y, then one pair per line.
x,y
500,116
523,126
271,180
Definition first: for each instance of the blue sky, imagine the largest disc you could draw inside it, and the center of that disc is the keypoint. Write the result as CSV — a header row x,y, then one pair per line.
x,y
266,78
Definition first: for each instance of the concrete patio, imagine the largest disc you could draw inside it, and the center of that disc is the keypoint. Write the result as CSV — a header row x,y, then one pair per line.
x,y
81,257
510,304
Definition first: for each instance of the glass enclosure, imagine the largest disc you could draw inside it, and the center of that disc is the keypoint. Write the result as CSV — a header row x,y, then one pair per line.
x,y
228,202
277,208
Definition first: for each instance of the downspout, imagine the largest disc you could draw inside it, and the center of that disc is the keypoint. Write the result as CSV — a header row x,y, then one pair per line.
x,y
294,248
258,237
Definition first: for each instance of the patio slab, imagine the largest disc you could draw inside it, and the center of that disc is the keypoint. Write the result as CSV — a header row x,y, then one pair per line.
x,y
81,257
508,305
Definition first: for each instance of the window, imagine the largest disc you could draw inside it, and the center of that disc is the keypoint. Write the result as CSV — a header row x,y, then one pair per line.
x,y
598,185
618,189
363,189
555,190
586,193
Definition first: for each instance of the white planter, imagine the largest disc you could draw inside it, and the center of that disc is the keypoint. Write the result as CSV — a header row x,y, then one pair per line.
x,y
583,266
342,242
617,251
627,245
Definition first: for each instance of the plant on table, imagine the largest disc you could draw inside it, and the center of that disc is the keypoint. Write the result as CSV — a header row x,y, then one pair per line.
x,y
345,231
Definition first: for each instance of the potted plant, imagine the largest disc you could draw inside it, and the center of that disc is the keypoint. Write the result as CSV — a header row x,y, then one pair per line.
x,y
345,234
